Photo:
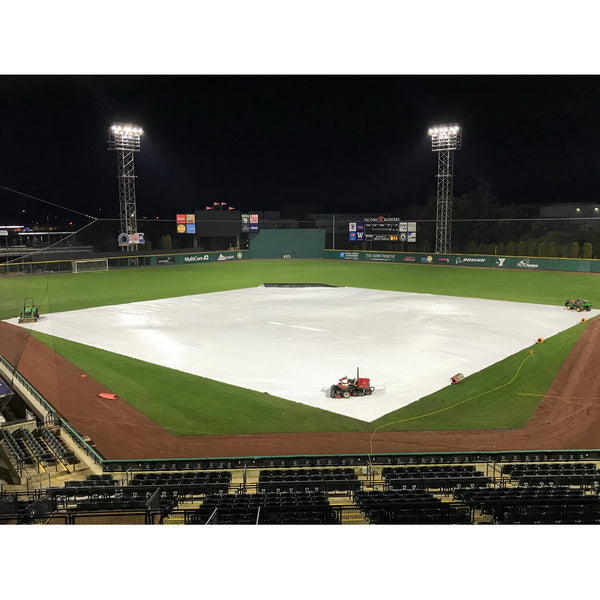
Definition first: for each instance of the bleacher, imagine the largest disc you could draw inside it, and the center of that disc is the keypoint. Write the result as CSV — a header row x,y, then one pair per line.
x,y
103,493
56,446
15,449
531,505
409,507
192,482
318,480
20,512
553,473
434,477
28,449
287,508
39,454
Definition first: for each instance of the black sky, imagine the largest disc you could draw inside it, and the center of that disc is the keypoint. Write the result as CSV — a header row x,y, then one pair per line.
x,y
343,143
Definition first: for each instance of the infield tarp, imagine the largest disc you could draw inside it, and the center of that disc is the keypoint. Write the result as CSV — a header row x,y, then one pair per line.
x,y
296,342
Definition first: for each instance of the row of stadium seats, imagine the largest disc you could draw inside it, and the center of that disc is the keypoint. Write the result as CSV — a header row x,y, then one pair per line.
x,y
437,469
483,497
575,514
175,478
532,469
308,479
123,501
92,481
564,505
288,508
385,507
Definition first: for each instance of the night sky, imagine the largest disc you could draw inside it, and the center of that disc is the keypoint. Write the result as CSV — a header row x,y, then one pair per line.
x,y
339,143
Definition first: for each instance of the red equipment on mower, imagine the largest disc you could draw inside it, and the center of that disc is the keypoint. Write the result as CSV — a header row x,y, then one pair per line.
x,y
361,386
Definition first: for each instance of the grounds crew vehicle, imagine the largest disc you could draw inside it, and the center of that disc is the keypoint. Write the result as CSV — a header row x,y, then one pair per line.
x,y
344,388
29,313
578,304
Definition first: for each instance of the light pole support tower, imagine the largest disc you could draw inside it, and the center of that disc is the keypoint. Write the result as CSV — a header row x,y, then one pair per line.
x,y
125,139
445,139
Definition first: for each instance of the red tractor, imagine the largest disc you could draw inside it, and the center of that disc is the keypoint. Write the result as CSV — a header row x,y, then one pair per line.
x,y
361,386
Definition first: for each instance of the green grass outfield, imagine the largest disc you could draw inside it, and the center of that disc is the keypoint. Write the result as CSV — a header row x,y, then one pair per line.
x,y
190,405
62,292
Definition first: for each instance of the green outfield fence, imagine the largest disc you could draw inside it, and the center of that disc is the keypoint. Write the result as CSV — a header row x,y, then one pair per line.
x,y
121,262
524,263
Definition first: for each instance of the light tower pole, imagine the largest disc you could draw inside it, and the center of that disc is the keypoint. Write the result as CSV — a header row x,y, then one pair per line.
x,y
125,139
445,139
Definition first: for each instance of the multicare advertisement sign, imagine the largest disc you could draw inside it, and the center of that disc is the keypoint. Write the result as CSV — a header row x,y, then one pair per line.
x,y
199,257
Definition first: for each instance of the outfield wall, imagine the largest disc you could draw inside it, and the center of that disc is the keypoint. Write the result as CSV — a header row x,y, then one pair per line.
x,y
308,244
525,263
125,261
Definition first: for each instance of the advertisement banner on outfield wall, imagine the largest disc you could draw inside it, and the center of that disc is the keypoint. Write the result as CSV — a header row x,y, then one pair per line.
x,y
522,263
200,257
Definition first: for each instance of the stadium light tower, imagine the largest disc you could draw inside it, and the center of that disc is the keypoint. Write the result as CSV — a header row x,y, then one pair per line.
x,y
445,139
125,139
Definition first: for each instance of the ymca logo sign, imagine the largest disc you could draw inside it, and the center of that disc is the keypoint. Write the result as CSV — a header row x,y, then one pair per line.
x,y
500,262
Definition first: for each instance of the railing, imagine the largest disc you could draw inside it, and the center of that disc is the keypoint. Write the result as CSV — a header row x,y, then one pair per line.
x,y
81,443
50,416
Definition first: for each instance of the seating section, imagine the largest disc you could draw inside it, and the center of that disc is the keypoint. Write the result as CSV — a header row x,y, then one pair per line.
x,y
40,446
94,485
553,473
57,447
103,493
410,507
288,508
20,456
434,477
19,512
528,505
193,482
128,499
317,480
40,454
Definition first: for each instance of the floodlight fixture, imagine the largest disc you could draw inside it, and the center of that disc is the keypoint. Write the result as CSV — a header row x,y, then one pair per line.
x,y
125,139
124,136
445,139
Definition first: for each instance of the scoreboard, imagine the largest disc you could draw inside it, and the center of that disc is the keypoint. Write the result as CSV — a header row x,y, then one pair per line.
x,y
382,232
382,229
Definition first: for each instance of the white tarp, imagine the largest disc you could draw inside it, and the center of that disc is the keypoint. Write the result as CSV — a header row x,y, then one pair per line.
x,y
296,342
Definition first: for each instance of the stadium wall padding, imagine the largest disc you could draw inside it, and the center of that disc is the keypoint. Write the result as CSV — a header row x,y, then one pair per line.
x,y
526,263
287,243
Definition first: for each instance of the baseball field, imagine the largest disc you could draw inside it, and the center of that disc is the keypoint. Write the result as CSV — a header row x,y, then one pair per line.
x,y
502,396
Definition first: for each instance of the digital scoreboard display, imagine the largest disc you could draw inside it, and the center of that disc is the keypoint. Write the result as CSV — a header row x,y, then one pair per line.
x,y
382,232
383,229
